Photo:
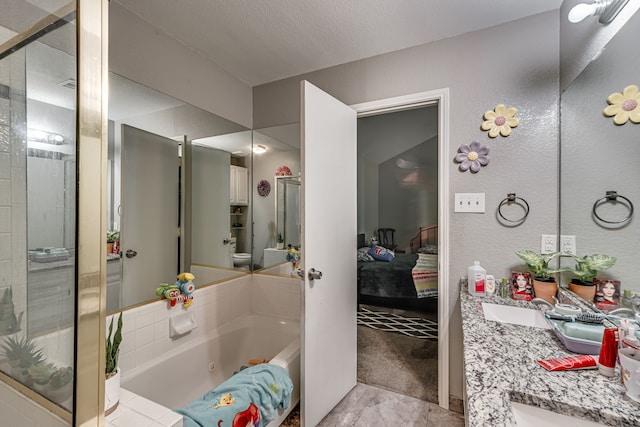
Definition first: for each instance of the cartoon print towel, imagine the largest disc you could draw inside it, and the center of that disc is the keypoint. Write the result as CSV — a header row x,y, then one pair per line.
x,y
249,398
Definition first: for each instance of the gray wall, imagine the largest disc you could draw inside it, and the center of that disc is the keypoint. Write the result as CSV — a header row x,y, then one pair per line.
x,y
515,64
149,56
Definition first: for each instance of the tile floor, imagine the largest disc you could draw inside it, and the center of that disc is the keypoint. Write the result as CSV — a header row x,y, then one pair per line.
x,y
370,406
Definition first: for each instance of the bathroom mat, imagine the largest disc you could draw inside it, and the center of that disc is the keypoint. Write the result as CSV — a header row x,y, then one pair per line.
x,y
390,322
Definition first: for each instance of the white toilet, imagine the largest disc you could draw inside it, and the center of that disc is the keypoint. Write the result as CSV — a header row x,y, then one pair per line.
x,y
241,259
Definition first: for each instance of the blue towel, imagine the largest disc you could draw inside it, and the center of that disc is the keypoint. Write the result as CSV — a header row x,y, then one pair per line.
x,y
248,398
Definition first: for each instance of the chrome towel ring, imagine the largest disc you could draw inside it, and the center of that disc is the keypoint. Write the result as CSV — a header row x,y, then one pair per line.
x,y
612,196
511,198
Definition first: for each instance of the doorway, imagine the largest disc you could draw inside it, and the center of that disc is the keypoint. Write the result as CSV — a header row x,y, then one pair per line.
x,y
395,166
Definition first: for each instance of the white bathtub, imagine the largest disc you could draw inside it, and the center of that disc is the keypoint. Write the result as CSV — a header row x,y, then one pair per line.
x,y
182,377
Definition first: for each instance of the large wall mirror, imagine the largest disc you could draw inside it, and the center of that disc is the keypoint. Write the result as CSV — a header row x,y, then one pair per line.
x,y
598,156
173,192
276,163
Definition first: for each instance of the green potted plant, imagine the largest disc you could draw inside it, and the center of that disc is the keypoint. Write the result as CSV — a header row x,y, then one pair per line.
x,y
112,236
587,267
60,385
21,354
9,323
112,373
280,241
40,374
544,285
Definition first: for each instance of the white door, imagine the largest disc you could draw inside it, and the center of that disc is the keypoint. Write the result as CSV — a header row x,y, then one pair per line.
x,y
210,219
149,224
329,350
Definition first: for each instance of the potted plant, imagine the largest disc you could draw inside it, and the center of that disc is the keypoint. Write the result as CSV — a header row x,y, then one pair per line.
x,y
40,374
112,237
60,385
587,267
544,285
9,323
280,241
21,354
112,373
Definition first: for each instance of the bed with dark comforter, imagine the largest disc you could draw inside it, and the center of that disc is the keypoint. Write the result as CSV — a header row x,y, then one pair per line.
x,y
409,280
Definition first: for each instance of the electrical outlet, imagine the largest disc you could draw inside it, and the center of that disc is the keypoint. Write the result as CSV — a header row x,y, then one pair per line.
x,y
469,202
548,243
568,244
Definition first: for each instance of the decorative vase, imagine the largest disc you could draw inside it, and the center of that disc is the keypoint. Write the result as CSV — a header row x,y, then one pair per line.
x,y
585,290
110,247
111,393
545,289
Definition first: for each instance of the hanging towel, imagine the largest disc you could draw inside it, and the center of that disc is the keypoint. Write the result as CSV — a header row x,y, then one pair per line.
x,y
248,398
425,275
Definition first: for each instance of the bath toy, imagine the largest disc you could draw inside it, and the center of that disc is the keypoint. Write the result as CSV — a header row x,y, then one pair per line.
x,y
179,292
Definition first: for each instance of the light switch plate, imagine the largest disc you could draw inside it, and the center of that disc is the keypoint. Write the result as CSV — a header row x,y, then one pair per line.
x,y
469,202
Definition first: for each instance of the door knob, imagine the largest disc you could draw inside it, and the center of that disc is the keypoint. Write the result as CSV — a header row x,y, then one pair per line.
x,y
130,253
314,274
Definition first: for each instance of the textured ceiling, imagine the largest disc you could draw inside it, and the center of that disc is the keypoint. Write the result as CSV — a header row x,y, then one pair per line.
x,y
263,41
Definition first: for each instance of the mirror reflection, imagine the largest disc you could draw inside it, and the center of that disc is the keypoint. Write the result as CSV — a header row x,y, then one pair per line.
x,y
170,193
279,167
597,156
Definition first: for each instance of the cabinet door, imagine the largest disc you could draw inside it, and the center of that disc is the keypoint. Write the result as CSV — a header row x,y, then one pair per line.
x,y
242,188
233,185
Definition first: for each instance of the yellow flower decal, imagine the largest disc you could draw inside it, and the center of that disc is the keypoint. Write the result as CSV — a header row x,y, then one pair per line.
x,y
624,106
500,121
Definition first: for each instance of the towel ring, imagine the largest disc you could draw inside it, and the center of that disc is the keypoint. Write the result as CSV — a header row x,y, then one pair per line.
x,y
612,196
511,198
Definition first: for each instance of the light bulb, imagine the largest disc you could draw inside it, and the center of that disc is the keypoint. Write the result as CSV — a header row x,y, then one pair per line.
x,y
580,11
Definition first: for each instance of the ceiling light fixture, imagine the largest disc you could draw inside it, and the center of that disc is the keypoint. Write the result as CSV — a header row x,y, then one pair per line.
x,y
259,149
607,10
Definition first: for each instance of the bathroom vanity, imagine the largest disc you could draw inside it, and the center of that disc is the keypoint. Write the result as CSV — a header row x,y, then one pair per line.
x,y
501,373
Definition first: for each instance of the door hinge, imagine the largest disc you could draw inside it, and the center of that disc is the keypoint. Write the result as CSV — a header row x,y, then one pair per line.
x,y
179,231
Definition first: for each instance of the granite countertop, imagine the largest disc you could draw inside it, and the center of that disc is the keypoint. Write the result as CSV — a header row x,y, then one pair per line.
x,y
500,366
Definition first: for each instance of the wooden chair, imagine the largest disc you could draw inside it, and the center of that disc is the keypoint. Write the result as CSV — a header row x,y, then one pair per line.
x,y
386,238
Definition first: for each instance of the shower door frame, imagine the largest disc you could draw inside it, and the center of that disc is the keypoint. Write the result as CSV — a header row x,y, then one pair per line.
x,y
91,138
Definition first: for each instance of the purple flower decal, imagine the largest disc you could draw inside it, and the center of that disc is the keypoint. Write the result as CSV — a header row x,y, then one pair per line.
x,y
472,156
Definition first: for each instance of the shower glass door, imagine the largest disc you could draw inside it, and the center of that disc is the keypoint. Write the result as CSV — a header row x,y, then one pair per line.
x,y
38,205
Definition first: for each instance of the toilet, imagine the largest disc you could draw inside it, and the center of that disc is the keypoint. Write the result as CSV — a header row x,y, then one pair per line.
x,y
241,259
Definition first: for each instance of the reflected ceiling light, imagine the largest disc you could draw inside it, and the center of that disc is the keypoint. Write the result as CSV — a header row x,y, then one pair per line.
x,y
259,149
606,9
406,164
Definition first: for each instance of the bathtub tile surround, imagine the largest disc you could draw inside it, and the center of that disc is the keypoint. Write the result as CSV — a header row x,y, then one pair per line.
x,y
500,366
145,330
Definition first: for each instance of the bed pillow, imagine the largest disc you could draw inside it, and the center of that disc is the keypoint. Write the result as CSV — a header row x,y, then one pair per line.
x,y
381,254
428,249
363,255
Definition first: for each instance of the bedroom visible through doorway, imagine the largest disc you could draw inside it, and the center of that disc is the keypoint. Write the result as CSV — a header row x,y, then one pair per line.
x,y
398,251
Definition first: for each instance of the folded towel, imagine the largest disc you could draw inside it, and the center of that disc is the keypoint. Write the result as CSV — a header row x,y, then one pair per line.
x,y
248,398
425,275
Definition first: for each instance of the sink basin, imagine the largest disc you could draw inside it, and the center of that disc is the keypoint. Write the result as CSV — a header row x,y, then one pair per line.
x,y
515,315
533,416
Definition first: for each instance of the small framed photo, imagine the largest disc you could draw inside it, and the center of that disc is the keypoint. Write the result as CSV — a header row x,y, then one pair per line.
x,y
607,294
521,286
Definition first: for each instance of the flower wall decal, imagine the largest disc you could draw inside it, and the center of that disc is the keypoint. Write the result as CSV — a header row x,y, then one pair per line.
x,y
472,156
500,121
624,106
